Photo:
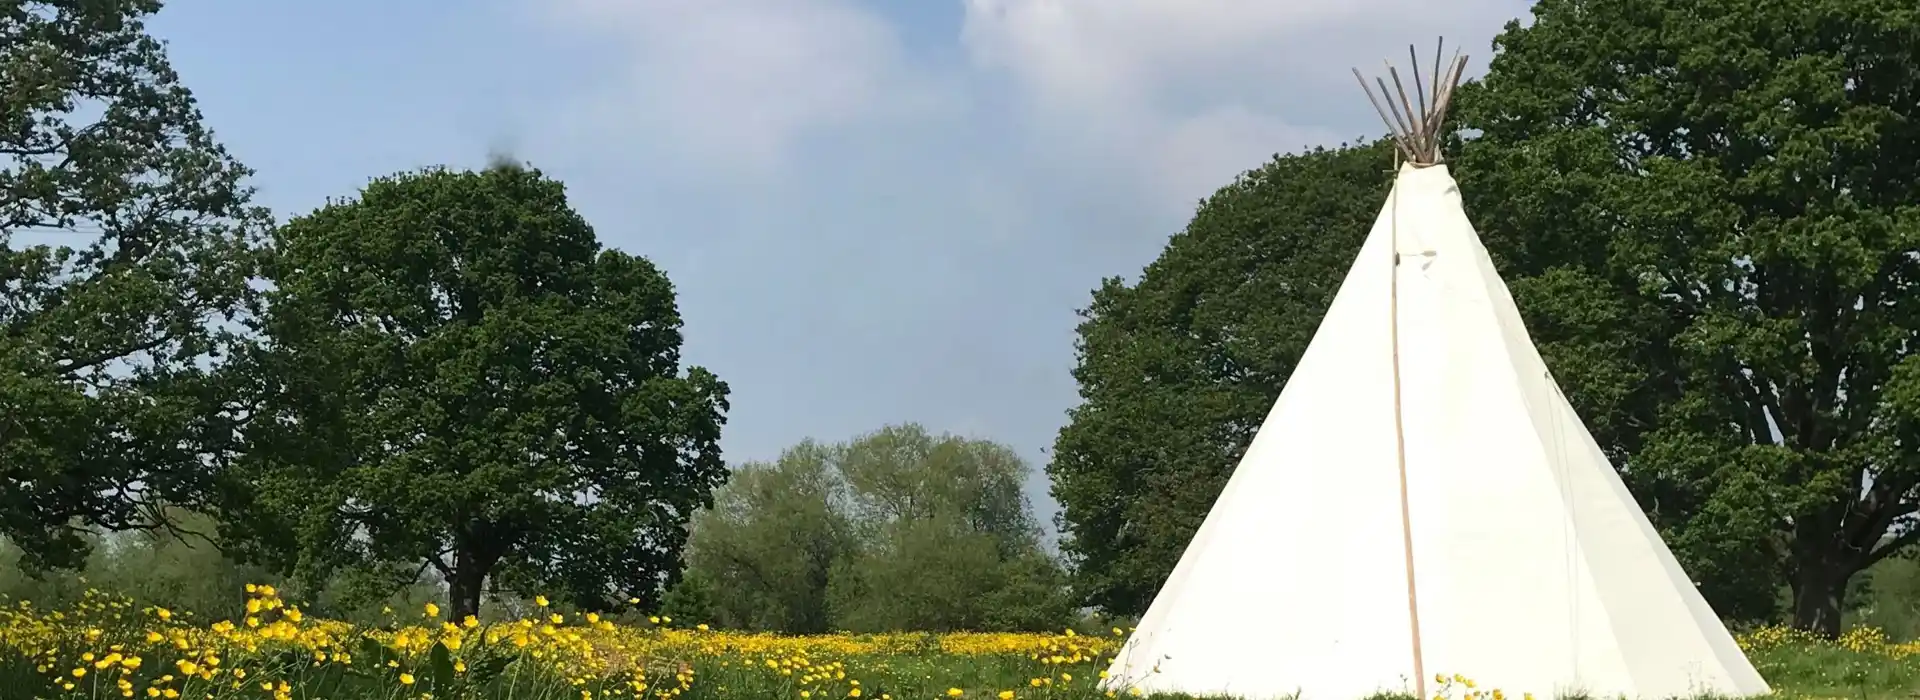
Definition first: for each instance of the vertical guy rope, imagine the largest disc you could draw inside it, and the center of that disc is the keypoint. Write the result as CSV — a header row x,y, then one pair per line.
x,y
1400,441
1417,138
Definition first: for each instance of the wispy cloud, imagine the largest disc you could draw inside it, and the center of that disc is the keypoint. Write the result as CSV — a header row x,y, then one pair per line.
x,y
1189,92
732,85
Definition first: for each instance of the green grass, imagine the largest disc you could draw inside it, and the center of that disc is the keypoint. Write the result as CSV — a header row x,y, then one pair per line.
x,y
1820,671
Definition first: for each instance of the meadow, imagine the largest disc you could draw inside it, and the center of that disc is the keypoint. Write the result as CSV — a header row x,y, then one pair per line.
x,y
108,646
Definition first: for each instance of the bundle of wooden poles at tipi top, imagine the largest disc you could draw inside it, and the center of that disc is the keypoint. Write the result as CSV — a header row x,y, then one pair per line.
x,y
1416,124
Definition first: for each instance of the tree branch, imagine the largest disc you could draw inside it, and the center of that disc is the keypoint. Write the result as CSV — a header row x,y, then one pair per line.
x,y
438,565
1890,547
1757,407
157,520
75,365
415,578
66,141
1880,516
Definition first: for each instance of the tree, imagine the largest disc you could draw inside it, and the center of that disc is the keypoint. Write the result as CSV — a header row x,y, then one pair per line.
x,y
1707,210
1890,600
903,473
763,555
947,539
457,375
693,597
185,573
182,573
109,327
179,570
1177,371
899,529
368,592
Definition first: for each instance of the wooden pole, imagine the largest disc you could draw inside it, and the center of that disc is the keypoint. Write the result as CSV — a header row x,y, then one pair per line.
x,y
1416,135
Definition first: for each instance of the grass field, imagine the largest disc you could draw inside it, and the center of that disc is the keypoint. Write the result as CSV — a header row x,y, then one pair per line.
x,y
107,647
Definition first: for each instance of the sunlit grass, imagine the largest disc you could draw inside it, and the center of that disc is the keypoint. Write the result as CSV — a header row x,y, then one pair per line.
x,y
1863,663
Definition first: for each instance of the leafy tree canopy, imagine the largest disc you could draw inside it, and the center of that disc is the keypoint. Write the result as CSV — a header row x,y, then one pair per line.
x,y
894,530
947,540
1177,370
126,240
456,374
763,555
1710,212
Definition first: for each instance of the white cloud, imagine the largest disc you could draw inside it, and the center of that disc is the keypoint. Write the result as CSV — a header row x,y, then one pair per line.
x,y
1159,100
733,84
1099,51
1199,87
1196,155
1117,50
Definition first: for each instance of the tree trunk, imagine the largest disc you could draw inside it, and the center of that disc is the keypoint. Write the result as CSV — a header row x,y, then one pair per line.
x,y
469,578
1819,596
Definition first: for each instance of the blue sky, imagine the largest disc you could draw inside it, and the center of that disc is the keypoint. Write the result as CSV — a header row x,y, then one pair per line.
x,y
875,212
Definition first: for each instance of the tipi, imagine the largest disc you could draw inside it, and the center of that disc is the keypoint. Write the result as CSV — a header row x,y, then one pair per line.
x,y
1422,501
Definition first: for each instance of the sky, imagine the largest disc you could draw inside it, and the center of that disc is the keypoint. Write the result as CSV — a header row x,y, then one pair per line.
x,y
874,211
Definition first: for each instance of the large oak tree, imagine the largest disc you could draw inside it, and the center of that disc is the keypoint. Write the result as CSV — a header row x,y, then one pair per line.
x,y
455,373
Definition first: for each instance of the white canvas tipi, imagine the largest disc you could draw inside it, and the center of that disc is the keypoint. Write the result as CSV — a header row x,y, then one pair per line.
x,y
1422,500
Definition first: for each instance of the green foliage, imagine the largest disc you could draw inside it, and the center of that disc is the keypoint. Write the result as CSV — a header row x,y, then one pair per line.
x,y
946,538
183,568
937,574
57,587
369,592
1707,211
186,574
693,597
768,546
895,530
1177,371
108,331
456,375
1889,598
176,569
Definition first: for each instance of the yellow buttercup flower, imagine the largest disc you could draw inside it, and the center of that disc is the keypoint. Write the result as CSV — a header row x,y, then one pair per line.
x,y
595,652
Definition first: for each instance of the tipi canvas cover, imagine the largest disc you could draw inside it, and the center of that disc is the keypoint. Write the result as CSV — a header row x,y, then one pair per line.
x,y
1422,500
